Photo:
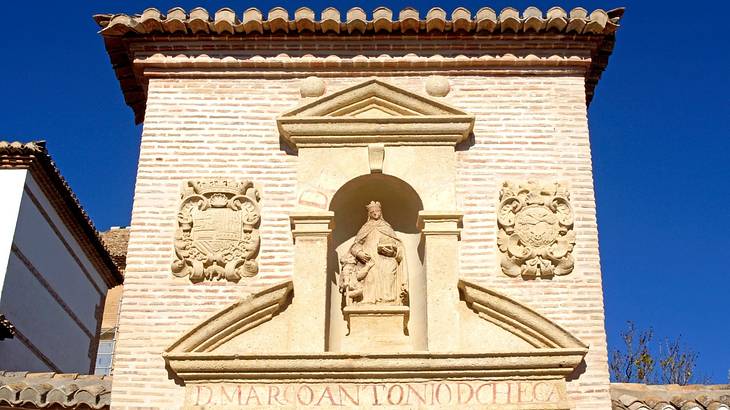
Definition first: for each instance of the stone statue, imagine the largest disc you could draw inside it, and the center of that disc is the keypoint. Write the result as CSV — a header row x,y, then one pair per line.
x,y
373,271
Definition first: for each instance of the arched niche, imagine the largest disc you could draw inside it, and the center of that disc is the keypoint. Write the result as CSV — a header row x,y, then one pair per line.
x,y
401,205
364,130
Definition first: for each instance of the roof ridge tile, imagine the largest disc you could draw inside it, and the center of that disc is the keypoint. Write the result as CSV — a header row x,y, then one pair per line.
x,y
278,19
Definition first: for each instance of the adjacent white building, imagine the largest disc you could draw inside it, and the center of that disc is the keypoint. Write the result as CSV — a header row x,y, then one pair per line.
x,y
54,269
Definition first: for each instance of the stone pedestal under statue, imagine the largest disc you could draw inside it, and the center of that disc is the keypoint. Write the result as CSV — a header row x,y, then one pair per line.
x,y
377,329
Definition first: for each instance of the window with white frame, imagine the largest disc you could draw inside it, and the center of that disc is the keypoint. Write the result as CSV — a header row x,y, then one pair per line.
x,y
105,353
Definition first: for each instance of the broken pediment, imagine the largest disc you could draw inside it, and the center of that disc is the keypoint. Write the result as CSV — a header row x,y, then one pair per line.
x,y
374,112
516,319
237,319
234,345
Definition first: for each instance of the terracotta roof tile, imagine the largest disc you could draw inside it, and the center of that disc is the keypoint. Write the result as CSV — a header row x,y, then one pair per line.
x,y
116,240
629,396
34,156
55,390
225,21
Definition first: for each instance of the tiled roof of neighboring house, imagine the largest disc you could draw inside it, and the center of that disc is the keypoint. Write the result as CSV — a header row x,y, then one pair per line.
x,y
116,240
7,329
629,396
54,390
598,26
35,157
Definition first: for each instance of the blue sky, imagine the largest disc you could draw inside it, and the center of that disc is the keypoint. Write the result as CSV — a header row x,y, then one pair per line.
x,y
659,133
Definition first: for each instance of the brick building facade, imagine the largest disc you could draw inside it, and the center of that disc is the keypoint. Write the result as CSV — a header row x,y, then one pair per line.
x,y
210,88
264,139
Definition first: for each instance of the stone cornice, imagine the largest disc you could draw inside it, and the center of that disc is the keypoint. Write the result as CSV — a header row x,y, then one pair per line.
x,y
440,222
538,364
287,57
311,224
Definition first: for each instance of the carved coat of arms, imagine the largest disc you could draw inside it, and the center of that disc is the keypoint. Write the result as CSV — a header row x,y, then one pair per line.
x,y
536,236
217,236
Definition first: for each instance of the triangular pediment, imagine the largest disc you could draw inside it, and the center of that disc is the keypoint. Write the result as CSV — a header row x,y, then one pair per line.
x,y
374,112
373,107
373,94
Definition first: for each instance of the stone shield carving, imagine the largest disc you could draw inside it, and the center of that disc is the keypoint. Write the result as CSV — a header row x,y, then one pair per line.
x,y
536,236
217,236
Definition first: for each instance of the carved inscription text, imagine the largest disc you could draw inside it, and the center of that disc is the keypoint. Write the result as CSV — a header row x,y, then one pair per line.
x,y
484,394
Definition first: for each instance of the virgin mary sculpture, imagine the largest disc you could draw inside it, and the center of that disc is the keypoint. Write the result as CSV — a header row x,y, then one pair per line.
x,y
373,271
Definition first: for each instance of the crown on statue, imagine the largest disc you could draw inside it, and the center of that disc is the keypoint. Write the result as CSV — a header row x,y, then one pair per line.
x,y
220,186
373,205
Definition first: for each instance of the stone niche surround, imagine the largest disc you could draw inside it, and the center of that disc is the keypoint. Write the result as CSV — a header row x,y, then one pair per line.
x,y
374,130
277,346
377,130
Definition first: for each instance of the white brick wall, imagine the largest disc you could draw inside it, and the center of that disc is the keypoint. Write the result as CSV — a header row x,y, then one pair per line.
x,y
525,127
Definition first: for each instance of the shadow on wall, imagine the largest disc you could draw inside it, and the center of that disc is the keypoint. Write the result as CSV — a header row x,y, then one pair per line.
x,y
399,201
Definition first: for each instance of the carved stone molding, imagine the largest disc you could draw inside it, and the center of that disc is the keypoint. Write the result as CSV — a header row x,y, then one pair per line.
x,y
235,319
216,352
354,367
518,319
195,357
311,224
217,235
440,222
536,234
374,112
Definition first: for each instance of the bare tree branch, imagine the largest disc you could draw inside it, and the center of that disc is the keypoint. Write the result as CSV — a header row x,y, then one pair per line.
x,y
636,361
677,362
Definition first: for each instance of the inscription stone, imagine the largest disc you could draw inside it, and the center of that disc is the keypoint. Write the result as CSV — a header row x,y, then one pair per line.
x,y
483,394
